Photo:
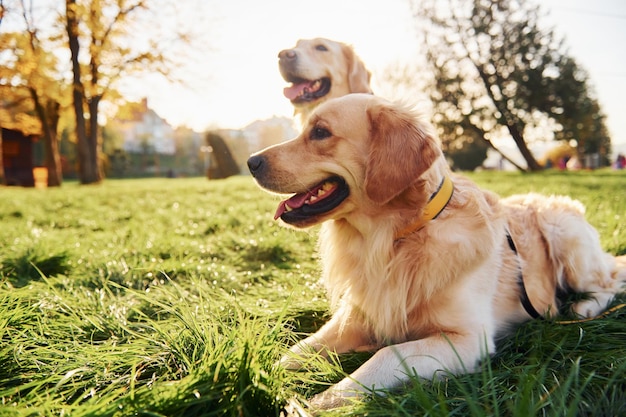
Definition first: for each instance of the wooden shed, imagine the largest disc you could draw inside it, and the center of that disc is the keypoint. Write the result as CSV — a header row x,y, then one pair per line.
x,y
18,157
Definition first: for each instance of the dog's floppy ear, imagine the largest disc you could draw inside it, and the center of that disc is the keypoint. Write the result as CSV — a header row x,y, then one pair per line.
x,y
400,152
358,75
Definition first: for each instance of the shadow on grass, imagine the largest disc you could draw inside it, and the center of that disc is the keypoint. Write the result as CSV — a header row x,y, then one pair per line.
x,y
308,321
268,253
32,264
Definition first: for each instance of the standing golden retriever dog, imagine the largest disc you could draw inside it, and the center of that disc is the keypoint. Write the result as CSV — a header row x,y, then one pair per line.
x,y
320,69
421,265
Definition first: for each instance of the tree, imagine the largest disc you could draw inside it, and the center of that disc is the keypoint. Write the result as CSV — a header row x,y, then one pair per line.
x,y
2,176
2,11
105,42
470,156
88,166
31,74
47,103
496,71
109,41
585,122
29,90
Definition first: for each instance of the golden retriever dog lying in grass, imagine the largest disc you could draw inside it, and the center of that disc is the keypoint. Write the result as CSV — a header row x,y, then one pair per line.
x,y
320,69
421,265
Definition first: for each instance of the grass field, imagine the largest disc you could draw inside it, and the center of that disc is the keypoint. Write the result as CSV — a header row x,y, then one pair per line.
x,y
175,297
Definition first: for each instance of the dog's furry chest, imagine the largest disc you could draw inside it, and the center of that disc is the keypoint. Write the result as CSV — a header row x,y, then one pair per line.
x,y
401,289
384,286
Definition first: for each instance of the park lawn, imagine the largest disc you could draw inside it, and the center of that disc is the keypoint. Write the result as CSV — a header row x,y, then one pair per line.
x,y
175,297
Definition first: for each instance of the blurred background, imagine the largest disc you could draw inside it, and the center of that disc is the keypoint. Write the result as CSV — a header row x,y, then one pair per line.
x,y
128,88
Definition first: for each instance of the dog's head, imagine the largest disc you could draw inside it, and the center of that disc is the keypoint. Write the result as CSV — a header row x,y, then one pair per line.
x,y
356,153
320,69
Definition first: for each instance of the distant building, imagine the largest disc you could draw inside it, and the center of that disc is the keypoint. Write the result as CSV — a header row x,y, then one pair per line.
x,y
144,130
263,133
256,136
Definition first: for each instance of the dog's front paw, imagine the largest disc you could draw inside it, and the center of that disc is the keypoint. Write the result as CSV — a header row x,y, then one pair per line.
x,y
333,398
328,400
594,306
325,401
295,408
290,362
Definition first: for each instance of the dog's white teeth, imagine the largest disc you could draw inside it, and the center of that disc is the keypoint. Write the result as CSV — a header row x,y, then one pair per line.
x,y
288,208
313,199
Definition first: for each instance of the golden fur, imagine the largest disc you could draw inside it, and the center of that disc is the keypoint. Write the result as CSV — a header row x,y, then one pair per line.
x,y
438,298
318,59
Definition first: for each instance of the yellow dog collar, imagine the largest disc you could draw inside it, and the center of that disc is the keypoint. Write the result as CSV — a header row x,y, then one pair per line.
x,y
438,201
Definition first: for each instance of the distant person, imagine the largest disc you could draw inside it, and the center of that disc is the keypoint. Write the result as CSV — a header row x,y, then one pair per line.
x,y
620,161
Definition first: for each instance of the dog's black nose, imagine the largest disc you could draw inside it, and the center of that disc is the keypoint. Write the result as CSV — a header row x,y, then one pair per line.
x,y
256,164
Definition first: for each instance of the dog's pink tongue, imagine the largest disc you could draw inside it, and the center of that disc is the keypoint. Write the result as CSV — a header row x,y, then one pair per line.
x,y
295,90
294,202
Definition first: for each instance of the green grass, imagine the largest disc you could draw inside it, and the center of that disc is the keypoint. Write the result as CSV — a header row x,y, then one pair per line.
x,y
175,297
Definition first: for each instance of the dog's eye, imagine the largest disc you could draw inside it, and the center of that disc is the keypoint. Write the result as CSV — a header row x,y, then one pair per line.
x,y
318,133
321,47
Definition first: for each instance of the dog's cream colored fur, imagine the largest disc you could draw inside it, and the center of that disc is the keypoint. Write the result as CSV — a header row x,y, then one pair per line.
x,y
436,299
336,61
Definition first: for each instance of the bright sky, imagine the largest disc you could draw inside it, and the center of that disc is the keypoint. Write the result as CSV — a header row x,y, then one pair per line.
x,y
239,82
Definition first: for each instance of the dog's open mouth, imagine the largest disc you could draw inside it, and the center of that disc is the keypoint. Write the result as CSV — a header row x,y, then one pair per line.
x,y
320,199
305,90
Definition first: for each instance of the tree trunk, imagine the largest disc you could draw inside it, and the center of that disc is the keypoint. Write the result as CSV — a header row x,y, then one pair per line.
x,y
483,135
49,118
53,157
87,171
532,163
2,179
93,138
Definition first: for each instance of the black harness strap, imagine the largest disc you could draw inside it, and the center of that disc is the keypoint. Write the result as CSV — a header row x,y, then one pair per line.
x,y
524,299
